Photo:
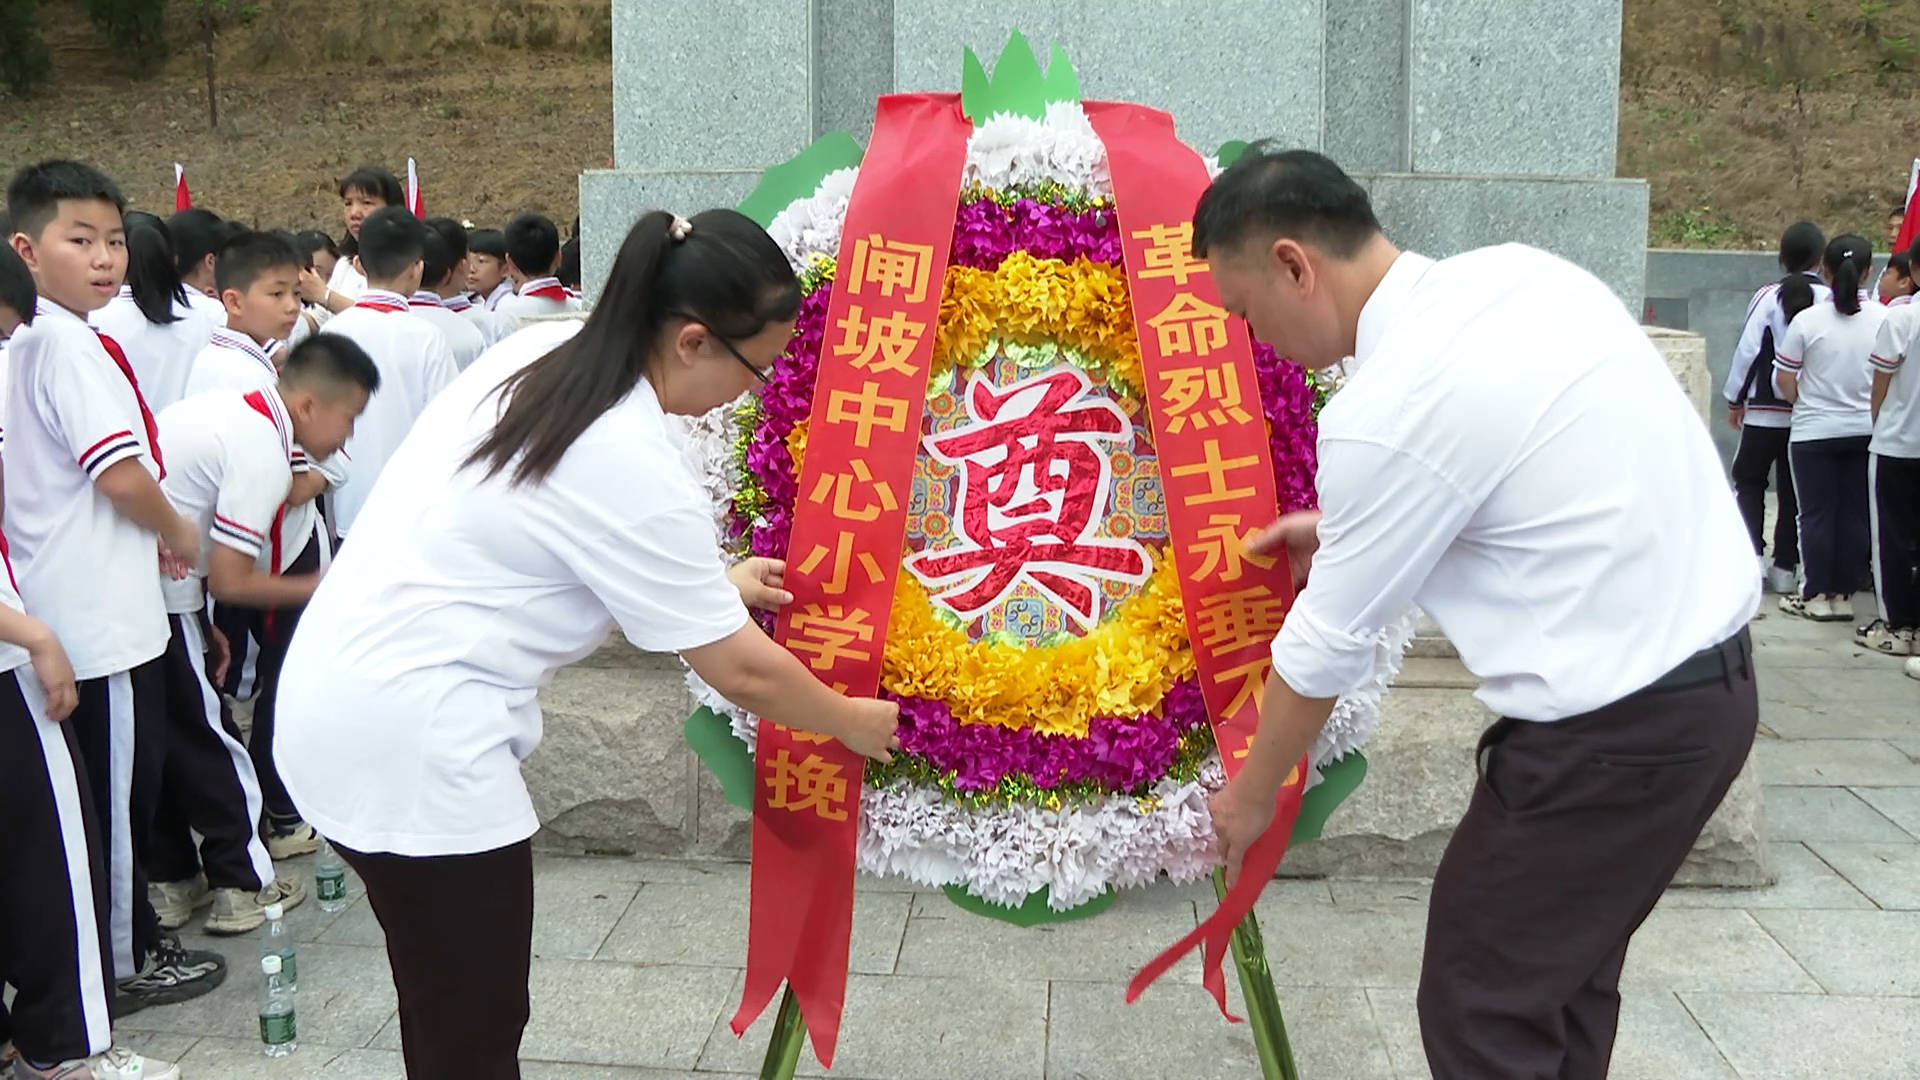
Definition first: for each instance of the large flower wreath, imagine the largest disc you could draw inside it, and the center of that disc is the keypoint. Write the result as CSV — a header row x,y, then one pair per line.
x,y
1054,740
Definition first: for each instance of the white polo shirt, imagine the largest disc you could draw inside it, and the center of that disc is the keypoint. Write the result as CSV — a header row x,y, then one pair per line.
x,y
415,364
231,361
409,696
537,296
500,292
209,307
83,569
1830,354
346,280
1511,454
492,327
11,655
162,355
1897,432
229,468
463,336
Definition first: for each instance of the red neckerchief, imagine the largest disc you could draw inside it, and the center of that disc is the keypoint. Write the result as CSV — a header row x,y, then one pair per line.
x,y
6,556
257,400
381,300
548,288
146,415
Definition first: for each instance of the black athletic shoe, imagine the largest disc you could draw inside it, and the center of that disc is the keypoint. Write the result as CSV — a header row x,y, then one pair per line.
x,y
171,974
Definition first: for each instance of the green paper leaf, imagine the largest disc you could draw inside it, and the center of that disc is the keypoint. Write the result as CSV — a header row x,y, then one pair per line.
x,y
1033,912
1061,83
1337,781
1230,151
798,176
1017,84
975,89
724,755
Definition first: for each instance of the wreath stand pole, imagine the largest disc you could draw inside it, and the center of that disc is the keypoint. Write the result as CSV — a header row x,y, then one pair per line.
x,y
789,1034
1262,1001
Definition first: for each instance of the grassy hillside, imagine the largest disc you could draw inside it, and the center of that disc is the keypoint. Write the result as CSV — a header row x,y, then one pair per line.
x,y
1744,114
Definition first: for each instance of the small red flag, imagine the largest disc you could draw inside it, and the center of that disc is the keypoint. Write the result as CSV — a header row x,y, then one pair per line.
x,y
1910,227
414,202
182,198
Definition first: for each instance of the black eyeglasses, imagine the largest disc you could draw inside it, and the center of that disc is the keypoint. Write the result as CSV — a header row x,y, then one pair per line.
x,y
758,371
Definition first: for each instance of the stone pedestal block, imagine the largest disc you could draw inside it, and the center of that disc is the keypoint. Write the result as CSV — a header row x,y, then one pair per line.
x,y
1686,356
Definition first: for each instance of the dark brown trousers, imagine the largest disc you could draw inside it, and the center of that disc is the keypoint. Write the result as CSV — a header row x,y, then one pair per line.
x,y
1574,830
460,941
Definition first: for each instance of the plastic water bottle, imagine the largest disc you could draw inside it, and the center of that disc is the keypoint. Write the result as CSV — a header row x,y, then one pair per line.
x,y
277,1029
330,878
276,939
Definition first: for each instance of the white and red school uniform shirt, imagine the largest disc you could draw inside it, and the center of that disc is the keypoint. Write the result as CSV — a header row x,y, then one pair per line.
x,y
73,411
209,307
1897,431
1760,339
415,364
410,692
500,292
162,354
463,336
1830,352
538,296
230,463
233,361
493,329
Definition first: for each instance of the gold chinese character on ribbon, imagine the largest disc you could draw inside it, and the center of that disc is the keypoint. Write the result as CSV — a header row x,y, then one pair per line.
x,y
866,409
1218,388
1232,621
843,557
1215,469
891,265
837,490
828,633
1169,253
1222,548
879,343
1189,326
811,783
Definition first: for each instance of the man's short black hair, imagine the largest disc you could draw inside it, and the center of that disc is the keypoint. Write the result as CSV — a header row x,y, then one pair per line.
x,y
569,271
1291,193
16,284
36,192
487,242
436,260
246,259
391,239
533,243
374,180
326,363
453,234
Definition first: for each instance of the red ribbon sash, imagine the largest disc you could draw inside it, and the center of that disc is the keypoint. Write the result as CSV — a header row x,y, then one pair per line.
x,y
848,530
1216,470
119,356
546,289
257,400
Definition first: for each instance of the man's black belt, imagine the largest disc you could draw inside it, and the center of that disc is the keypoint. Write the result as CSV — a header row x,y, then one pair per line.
x,y
1715,663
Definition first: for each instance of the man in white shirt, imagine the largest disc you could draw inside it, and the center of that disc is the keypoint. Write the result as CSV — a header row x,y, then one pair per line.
x,y
414,359
1762,417
533,251
1511,454
441,270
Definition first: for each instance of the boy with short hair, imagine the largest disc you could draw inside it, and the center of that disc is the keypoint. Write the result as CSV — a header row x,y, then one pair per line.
x,y
258,278
533,251
237,457
414,359
82,516
487,276
443,271
457,295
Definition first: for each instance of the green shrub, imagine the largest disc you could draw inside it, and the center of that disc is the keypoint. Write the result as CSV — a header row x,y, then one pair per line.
x,y
24,60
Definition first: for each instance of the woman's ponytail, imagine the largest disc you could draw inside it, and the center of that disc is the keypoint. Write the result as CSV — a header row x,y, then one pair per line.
x,y
1846,260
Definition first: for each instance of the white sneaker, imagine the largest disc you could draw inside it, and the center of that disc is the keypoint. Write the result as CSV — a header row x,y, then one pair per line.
x,y
118,1063
237,911
293,842
1782,580
176,901
1819,609
1842,608
1913,668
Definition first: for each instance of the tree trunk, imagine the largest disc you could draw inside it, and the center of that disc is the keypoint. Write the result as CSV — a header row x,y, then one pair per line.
x,y
213,96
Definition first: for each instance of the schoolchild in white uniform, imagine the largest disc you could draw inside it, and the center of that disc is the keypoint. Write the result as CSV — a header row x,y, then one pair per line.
x,y
17,303
1823,367
197,236
235,460
506,538
1762,417
456,295
1894,487
533,252
82,515
487,277
258,279
152,318
440,269
365,190
1897,283
413,356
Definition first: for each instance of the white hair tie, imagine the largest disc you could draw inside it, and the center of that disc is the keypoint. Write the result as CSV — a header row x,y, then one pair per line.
x,y
679,229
